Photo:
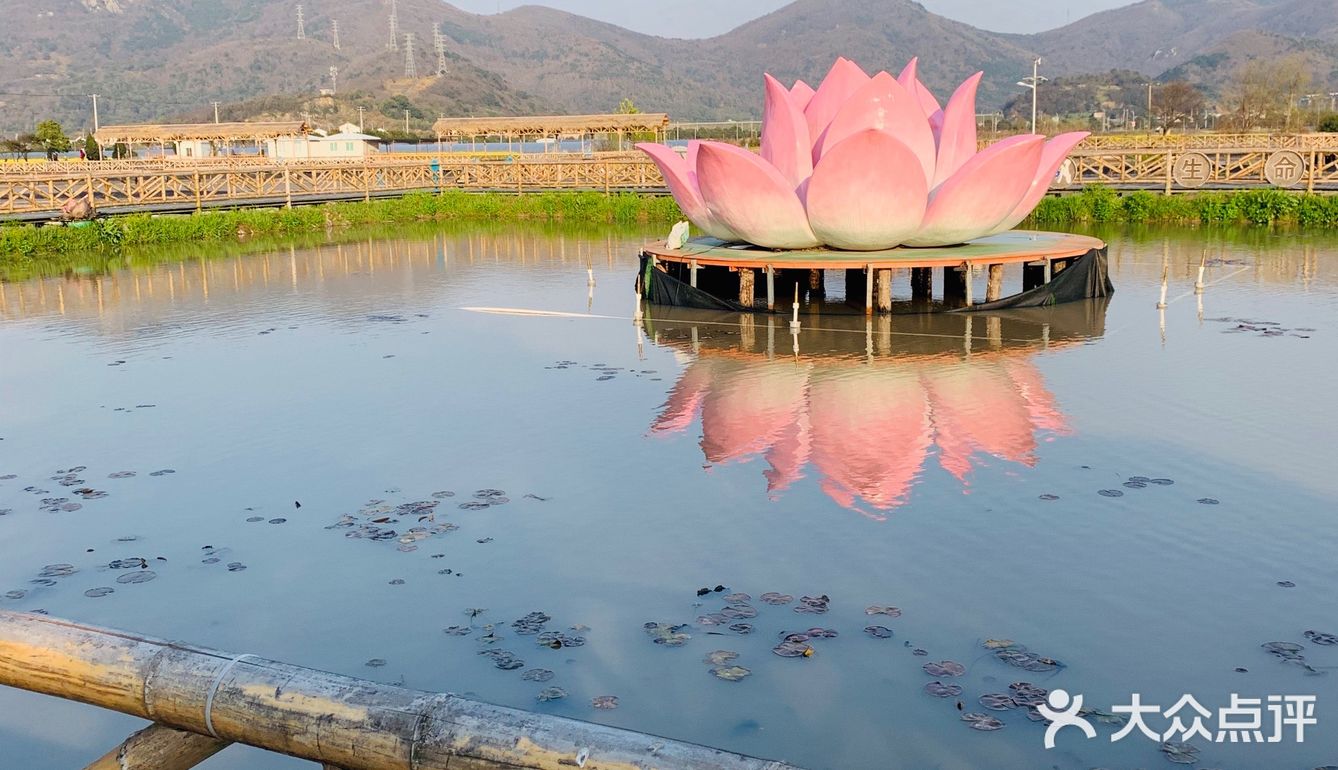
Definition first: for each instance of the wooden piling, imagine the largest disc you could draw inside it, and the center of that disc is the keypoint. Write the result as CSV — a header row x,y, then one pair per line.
x,y
868,290
747,278
337,720
771,288
817,283
994,289
883,288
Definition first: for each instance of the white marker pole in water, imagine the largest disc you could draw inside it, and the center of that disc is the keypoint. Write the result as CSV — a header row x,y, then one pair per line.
x,y
794,322
1165,277
1203,262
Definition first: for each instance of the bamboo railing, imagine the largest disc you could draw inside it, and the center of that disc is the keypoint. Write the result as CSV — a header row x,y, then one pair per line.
x,y
39,190
200,700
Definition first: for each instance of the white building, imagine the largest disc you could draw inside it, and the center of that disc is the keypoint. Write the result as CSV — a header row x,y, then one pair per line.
x,y
348,143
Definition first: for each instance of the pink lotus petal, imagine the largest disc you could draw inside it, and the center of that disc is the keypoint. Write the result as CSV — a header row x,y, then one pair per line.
x,y
752,198
910,80
957,137
1052,157
1041,405
749,407
801,94
844,79
788,456
867,193
785,142
977,408
685,399
883,104
981,194
681,178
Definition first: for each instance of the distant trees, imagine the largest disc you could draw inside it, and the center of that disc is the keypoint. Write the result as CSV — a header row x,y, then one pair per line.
x,y
1265,91
1329,124
1176,102
51,138
395,106
627,107
20,146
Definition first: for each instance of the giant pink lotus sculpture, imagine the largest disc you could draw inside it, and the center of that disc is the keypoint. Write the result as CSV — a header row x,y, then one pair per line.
x,y
862,163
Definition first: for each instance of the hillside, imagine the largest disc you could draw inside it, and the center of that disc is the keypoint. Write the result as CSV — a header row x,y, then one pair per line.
x,y
158,59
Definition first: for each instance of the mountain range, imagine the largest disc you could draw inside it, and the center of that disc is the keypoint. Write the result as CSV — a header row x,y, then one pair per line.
x,y
169,59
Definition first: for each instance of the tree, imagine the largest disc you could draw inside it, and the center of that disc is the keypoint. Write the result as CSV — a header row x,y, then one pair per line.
x,y
51,138
1176,102
627,107
20,146
1266,90
91,149
1329,123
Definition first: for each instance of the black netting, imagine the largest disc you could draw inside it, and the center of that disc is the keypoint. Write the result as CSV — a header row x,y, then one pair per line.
x,y
1086,278
660,288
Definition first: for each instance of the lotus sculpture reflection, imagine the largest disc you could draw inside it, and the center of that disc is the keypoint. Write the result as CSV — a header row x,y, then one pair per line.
x,y
862,163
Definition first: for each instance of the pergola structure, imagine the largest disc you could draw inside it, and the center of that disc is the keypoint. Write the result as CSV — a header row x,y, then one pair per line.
x,y
555,127
225,134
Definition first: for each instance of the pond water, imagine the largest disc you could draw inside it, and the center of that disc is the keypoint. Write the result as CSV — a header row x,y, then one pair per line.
x,y
1141,499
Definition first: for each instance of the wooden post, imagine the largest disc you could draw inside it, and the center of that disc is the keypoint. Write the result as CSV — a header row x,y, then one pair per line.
x,y
160,748
817,283
287,188
922,284
1310,178
1170,179
746,294
994,289
692,274
868,289
338,720
198,204
771,288
883,281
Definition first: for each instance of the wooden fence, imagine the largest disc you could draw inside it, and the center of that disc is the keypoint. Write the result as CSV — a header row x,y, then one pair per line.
x,y
38,191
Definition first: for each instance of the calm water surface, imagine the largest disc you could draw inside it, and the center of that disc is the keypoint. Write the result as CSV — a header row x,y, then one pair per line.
x,y
904,462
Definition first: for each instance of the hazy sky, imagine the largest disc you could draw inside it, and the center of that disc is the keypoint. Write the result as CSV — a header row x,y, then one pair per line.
x,y
704,18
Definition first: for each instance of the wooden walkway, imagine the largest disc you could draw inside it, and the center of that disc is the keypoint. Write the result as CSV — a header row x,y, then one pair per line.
x,y
37,191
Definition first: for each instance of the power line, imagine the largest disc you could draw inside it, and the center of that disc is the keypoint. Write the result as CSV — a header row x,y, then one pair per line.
x,y
439,43
394,26
410,67
334,23
301,24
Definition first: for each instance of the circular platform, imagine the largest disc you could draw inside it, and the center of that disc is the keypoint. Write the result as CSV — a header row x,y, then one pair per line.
x,y
1010,247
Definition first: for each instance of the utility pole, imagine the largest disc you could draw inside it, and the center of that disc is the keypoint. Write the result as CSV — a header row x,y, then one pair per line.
x,y
439,43
215,113
360,126
334,24
394,26
406,121
410,68
94,97
334,81
1033,83
301,24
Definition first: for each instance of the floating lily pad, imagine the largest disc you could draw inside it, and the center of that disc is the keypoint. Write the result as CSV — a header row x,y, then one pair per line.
x,y
1319,637
1161,482
1135,484
121,475
163,472
741,628
1019,657
474,505
822,633
44,582
999,644
919,653
712,619
1028,694
236,566
1103,716
537,675
1282,647
1286,584
879,609
279,520
944,668
982,722
667,635
255,519
720,657
997,701
557,640
94,593
813,605
1110,493
1208,501
142,576
1180,752
531,624
941,690
1140,479
737,598
17,594
133,563
485,494
771,597
604,702
1048,497
878,632
550,694
397,582
458,630
730,673
375,663
739,612
793,649
57,570
507,661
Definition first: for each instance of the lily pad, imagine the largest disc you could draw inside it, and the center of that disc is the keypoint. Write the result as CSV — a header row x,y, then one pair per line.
x,y
375,663
999,644
537,675
1180,752
739,612
1161,482
737,598
604,702
941,690
1208,501
474,505
1286,584
982,722
142,576
944,668
878,632
773,598
1319,637
879,609
792,649
742,628
1048,497
720,657
997,701
57,570
531,624
1110,493
730,673
94,593
667,635
550,694
813,605
458,630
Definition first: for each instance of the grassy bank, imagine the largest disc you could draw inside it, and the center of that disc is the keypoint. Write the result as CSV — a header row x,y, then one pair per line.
x,y
25,242
1252,207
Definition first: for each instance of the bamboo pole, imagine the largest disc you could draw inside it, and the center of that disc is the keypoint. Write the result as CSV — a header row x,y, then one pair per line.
x,y
338,720
160,748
